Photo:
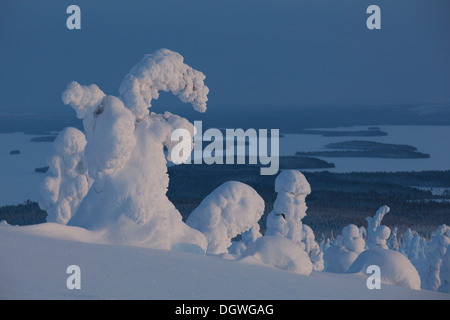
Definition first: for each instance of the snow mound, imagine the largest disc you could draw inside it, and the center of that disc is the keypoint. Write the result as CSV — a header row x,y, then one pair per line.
x,y
160,233
280,252
231,209
338,259
395,268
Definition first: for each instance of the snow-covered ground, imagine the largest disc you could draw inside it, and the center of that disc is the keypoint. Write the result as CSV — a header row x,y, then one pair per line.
x,y
34,261
19,182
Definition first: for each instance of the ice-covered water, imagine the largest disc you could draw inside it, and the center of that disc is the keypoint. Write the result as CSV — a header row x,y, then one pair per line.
x,y
433,140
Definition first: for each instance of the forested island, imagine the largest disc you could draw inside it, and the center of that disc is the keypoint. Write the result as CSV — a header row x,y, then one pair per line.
x,y
367,149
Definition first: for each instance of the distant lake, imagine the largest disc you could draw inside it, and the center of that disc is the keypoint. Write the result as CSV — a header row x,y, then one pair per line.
x,y
433,140
19,181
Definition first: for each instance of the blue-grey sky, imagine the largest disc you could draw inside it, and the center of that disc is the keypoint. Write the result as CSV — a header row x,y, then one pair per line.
x,y
253,52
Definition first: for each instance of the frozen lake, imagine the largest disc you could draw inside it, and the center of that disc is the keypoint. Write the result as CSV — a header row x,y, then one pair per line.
x,y
19,181
433,140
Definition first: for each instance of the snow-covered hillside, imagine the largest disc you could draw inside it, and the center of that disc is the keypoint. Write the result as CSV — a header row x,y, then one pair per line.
x,y
34,260
111,223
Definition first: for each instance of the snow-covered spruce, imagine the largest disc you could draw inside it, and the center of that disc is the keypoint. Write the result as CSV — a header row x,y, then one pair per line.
x,y
436,257
444,273
66,182
377,234
344,251
395,267
124,154
231,209
285,220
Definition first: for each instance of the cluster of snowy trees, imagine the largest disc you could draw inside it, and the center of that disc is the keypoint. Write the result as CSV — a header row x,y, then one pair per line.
x,y
113,178
409,260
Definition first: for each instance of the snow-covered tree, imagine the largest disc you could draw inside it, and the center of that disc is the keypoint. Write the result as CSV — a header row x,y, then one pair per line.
x,y
406,241
436,250
289,208
66,182
312,248
417,248
344,251
393,242
125,153
444,273
231,209
377,234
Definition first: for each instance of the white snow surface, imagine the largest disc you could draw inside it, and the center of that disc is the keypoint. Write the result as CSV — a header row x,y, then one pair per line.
x,y
395,267
35,259
281,253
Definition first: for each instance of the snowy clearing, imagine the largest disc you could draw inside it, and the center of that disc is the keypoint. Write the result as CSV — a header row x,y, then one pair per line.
x,y
35,259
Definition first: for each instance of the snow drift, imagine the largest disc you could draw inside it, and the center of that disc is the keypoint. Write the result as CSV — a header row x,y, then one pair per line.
x,y
280,253
395,268
36,257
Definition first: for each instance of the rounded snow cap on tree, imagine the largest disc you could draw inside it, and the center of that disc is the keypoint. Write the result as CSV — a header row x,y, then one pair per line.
x,y
70,141
292,181
351,239
350,231
383,232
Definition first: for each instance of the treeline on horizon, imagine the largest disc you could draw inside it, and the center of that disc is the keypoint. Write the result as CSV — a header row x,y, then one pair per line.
x,y
289,119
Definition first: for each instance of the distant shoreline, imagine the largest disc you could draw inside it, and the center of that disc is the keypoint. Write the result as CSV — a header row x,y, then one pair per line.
x,y
288,119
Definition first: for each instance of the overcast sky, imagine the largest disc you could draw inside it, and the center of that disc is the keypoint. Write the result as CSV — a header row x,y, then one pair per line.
x,y
253,53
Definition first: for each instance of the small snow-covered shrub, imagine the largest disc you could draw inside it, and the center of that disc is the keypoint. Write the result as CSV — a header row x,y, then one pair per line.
x,y
344,251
